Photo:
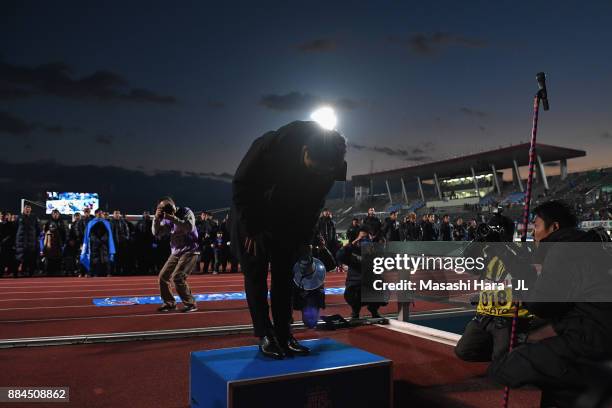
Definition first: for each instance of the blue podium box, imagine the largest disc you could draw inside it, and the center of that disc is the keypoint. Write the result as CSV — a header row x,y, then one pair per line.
x,y
333,375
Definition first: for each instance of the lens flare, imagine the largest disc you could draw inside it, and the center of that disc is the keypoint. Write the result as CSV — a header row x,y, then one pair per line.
x,y
326,117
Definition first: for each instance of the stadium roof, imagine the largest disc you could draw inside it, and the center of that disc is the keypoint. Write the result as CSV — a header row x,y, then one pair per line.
x,y
459,166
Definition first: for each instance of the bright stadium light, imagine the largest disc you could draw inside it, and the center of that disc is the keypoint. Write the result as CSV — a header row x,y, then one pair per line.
x,y
326,117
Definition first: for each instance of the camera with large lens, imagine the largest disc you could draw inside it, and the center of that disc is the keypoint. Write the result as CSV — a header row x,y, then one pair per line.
x,y
489,233
168,209
499,229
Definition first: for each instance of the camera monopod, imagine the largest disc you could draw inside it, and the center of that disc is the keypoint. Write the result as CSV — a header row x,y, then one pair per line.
x,y
541,96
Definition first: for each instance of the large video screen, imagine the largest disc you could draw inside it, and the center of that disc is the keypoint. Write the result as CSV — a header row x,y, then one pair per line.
x,y
69,203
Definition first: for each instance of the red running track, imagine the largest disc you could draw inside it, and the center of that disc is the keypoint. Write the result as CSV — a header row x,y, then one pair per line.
x,y
41,307
156,373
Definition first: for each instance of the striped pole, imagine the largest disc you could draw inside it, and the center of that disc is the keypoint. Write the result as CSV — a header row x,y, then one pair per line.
x,y
532,159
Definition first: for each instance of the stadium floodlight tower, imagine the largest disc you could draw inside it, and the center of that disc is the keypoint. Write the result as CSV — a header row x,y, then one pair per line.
x,y
326,117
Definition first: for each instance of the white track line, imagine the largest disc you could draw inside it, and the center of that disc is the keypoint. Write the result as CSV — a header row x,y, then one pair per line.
x,y
439,336
73,306
63,319
84,306
49,307
174,314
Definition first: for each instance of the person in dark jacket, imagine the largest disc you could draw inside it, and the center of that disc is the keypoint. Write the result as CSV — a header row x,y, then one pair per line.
x,y
72,249
121,236
207,230
446,229
74,232
471,229
55,237
129,265
373,224
350,255
285,174
353,230
143,244
59,223
562,365
326,227
8,232
81,225
390,230
429,228
410,230
27,245
219,248
459,230
225,227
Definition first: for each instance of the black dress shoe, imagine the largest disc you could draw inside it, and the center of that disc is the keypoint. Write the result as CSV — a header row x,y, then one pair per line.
x,y
269,347
293,347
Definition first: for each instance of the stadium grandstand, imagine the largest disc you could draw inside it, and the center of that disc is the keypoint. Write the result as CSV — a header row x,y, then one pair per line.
x,y
473,185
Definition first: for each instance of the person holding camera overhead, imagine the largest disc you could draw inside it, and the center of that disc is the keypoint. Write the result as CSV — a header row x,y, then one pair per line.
x,y
180,224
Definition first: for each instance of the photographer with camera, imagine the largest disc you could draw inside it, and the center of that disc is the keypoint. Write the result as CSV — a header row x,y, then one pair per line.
x,y
350,255
563,366
179,223
487,336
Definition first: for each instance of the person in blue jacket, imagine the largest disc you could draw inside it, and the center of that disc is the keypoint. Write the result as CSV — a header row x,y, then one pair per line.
x,y
98,246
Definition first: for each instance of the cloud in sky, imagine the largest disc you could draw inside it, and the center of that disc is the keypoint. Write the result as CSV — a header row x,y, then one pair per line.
x,y
14,125
114,184
427,44
294,100
17,126
217,176
414,154
57,79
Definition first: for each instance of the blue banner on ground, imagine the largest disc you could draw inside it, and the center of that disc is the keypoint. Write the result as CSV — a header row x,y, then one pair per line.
x,y
203,297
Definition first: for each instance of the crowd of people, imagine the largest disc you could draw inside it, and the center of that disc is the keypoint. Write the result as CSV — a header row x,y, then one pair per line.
x,y
430,227
30,246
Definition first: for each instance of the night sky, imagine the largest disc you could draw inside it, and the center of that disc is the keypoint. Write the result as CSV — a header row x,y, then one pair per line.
x,y
152,87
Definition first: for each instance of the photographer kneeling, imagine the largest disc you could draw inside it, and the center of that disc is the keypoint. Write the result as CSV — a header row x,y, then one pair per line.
x,y
180,224
351,256
569,291
487,336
